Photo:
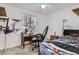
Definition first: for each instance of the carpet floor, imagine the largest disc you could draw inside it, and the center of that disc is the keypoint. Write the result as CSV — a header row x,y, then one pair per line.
x,y
19,51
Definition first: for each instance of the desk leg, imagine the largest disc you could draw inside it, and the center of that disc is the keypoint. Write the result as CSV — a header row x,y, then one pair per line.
x,y
23,46
22,43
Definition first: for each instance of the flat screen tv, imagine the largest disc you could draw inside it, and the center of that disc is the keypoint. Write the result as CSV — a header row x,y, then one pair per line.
x,y
70,32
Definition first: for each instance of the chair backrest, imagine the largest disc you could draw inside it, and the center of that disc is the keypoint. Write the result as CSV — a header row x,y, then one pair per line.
x,y
41,37
45,32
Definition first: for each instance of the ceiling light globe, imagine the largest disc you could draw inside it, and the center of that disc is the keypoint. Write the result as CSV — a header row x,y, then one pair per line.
x,y
43,6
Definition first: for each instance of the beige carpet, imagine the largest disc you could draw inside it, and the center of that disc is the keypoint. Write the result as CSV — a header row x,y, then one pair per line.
x,y
19,51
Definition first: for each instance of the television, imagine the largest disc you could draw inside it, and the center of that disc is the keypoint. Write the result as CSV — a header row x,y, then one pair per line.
x,y
68,32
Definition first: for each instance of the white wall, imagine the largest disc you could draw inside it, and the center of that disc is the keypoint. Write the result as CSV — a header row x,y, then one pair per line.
x,y
55,20
14,39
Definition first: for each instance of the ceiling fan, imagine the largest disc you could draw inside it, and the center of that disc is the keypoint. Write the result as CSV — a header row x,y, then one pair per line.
x,y
44,5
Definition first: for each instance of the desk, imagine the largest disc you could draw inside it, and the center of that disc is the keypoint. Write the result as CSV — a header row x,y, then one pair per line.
x,y
25,38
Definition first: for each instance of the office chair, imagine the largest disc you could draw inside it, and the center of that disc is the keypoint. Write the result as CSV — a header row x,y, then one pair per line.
x,y
39,38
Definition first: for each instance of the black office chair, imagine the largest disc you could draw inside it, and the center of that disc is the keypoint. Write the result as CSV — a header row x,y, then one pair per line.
x,y
39,38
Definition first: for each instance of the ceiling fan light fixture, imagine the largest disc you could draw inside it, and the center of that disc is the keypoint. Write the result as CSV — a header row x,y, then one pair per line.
x,y
43,6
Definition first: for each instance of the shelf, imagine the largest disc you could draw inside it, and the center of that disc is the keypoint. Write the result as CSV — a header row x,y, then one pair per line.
x,y
3,18
17,20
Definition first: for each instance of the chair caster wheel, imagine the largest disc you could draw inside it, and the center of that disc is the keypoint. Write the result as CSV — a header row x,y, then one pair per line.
x,y
32,49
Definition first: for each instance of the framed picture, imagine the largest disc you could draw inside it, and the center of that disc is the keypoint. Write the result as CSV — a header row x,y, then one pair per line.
x,y
2,11
76,11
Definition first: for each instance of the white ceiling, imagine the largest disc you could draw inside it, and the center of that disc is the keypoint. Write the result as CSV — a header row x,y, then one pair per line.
x,y
51,7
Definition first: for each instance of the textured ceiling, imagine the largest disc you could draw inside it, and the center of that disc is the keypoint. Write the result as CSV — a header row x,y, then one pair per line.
x,y
51,7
